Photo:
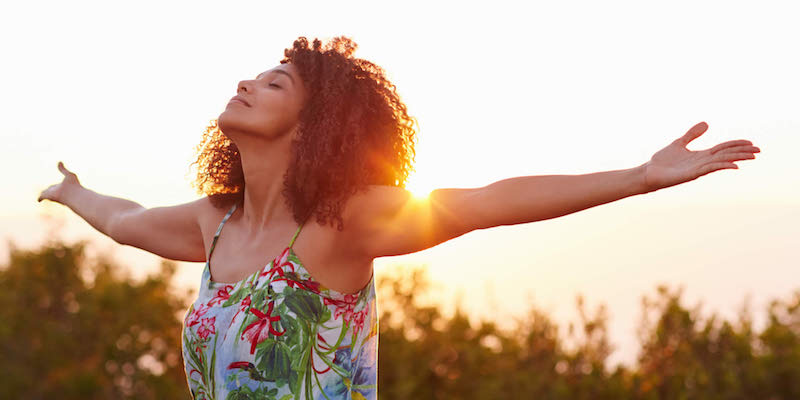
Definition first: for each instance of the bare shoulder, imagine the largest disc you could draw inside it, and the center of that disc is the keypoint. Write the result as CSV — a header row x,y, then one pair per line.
x,y
206,211
368,207
377,204
376,197
387,220
209,216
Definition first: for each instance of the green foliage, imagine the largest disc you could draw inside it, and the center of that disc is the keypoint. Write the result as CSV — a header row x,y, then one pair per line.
x,y
73,328
276,361
424,355
66,336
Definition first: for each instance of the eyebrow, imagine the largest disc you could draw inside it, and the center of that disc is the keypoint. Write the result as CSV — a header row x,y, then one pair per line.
x,y
280,71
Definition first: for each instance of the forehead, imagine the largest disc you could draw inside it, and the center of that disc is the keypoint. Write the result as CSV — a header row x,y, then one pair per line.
x,y
287,68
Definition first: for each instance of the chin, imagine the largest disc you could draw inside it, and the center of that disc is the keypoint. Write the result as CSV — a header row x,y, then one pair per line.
x,y
233,125
229,123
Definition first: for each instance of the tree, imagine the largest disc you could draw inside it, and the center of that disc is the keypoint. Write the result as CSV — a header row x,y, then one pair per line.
x,y
684,356
75,330
425,355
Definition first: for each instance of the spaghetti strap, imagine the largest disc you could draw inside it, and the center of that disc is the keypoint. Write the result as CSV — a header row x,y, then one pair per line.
x,y
295,235
219,229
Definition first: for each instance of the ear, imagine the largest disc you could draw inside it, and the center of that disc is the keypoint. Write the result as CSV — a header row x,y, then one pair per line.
x,y
294,133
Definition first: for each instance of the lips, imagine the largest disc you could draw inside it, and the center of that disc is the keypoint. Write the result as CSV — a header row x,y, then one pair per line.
x,y
239,98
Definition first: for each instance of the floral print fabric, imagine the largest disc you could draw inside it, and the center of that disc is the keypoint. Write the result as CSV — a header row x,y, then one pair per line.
x,y
278,334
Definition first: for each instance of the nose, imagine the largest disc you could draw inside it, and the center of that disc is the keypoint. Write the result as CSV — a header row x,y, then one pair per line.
x,y
243,86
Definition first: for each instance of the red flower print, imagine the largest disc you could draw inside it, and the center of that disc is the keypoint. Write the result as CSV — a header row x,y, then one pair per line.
x,y
343,307
222,295
194,318
259,330
239,364
277,265
293,281
206,327
311,285
358,320
243,305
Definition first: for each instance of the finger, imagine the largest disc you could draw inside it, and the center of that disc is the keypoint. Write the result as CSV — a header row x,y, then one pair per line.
x,y
62,168
738,149
733,156
715,166
733,143
693,133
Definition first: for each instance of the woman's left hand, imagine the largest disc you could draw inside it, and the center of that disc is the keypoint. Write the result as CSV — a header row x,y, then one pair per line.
x,y
676,164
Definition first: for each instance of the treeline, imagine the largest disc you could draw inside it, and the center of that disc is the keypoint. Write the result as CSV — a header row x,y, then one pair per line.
x,y
683,355
74,328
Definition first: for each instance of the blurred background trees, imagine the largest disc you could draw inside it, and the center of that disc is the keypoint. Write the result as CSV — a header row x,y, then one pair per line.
x,y
73,328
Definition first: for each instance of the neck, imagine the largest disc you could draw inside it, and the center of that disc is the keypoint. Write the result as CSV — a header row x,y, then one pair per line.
x,y
264,164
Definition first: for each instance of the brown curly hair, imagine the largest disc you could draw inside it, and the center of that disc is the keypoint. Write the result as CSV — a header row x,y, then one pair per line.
x,y
354,131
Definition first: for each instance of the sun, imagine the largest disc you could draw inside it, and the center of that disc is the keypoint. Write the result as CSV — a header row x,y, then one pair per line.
x,y
419,187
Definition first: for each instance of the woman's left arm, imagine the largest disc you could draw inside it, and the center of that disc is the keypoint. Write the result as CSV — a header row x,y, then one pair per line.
x,y
389,221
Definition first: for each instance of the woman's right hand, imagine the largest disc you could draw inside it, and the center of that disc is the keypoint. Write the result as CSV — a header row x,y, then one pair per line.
x,y
56,192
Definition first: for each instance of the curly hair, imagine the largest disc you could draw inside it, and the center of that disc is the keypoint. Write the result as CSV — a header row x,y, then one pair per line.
x,y
354,131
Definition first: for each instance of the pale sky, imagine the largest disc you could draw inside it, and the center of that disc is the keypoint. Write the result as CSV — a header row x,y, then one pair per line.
x,y
121,95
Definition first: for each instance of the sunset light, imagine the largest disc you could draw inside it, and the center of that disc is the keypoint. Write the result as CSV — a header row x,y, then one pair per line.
x,y
122,94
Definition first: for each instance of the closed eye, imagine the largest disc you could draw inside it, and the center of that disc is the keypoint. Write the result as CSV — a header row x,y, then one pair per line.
x,y
272,84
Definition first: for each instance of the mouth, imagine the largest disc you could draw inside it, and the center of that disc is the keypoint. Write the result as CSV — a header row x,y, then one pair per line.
x,y
239,99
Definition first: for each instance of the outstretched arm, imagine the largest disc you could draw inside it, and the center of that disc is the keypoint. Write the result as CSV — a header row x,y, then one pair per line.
x,y
387,221
171,232
535,198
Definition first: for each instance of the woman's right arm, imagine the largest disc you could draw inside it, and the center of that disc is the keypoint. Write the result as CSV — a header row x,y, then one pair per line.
x,y
170,232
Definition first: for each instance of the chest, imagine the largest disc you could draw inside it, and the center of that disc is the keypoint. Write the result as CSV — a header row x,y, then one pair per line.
x,y
237,256
230,263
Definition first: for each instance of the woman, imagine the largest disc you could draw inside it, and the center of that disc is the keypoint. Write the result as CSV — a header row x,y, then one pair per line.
x,y
325,146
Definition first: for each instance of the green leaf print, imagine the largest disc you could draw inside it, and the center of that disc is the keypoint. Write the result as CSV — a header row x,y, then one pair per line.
x,y
237,295
245,393
196,362
293,258
294,383
294,334
272,357
305,306
260,299
211,369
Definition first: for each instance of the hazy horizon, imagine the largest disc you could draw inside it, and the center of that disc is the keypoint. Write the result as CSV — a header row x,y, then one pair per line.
x,y
501,91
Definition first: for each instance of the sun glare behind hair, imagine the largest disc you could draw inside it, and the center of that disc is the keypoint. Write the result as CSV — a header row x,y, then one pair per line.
x,y
420,189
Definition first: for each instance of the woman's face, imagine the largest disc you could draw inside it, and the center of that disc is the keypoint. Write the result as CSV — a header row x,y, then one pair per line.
x,y
267,106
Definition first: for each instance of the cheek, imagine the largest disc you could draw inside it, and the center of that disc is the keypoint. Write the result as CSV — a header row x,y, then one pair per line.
x,y
279,113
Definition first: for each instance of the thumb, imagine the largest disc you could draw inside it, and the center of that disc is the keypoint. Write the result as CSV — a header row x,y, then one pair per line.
x,y
64,169
693,133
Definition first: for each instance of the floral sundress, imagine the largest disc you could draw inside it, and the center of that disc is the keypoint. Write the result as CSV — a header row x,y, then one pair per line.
x,y
279,334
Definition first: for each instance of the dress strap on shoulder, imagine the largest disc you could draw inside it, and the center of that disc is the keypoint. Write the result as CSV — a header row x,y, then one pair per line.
x,y
219,229
295,235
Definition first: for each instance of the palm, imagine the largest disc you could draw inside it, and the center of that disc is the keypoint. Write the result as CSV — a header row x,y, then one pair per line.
x,y
676,164
55,192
